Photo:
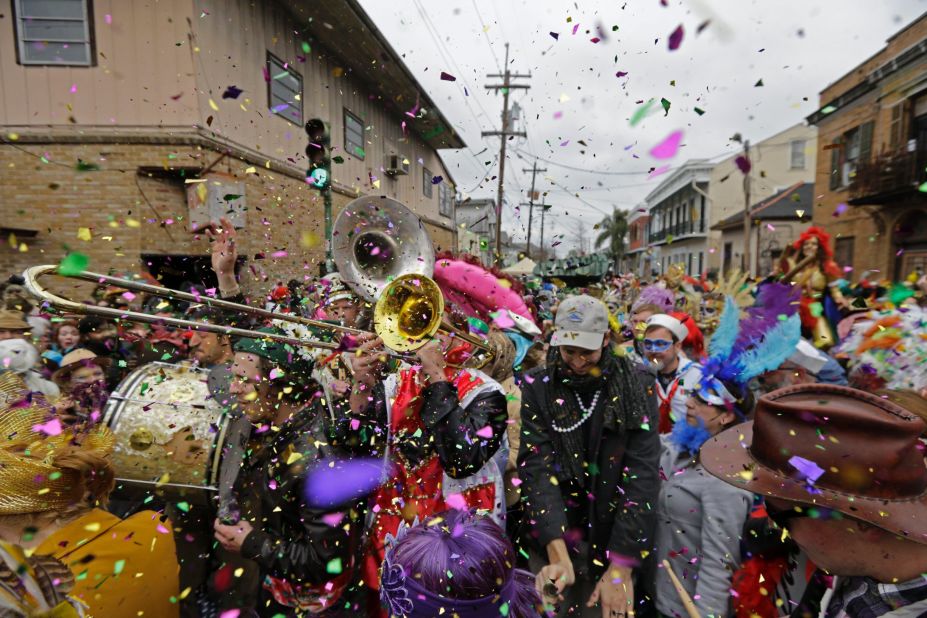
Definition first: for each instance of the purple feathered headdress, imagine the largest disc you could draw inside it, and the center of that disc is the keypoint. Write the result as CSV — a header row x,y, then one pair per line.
x,y
743,348
655,295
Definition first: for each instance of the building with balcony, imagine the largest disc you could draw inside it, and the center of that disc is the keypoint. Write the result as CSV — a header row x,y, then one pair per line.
x,y
779,163
637,255
872,156
128,124
679,215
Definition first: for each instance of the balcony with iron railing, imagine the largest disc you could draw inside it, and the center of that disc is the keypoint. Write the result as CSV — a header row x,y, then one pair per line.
x,y
887,177
678,231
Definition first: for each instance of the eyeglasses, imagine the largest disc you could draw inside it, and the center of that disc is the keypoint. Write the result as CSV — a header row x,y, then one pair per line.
x,y
657,345
782,517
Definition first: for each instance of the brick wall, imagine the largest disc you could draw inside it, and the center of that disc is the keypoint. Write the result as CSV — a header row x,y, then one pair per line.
x,y
129,215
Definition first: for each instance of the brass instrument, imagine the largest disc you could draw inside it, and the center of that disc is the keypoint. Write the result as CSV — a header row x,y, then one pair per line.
x,y
384,254
65,305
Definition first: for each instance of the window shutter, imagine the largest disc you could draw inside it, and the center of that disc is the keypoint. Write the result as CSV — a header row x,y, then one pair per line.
x,y
835,164
865,142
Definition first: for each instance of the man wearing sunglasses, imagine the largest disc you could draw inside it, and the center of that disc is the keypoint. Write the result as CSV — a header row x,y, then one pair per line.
x,y
675,371
843,472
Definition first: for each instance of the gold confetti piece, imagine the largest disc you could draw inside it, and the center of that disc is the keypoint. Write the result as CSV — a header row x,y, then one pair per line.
x,y
44,490
293,458
83,233
92,527
23,247
310,240
166,477
239,571
213,105
133,223
251,170
746,475
13,136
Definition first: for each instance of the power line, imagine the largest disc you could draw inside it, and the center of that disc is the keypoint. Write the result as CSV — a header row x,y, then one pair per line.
x,y
485,35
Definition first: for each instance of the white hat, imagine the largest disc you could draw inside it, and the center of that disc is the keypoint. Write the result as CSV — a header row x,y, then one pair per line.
x,y
336,288
679,330
808,357
581,321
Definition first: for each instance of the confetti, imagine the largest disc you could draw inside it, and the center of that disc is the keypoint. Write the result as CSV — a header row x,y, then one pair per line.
x,y
448,77
232,92
73,264
668,147
334,482
675,39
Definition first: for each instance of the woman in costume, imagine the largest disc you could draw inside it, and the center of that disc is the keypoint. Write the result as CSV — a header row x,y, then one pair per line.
x,y
54,482
810,265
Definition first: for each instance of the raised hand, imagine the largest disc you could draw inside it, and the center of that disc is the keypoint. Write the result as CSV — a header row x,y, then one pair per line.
x,y
224,252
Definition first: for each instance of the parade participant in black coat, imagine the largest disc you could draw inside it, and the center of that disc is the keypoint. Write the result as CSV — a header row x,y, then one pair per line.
x,y
588,463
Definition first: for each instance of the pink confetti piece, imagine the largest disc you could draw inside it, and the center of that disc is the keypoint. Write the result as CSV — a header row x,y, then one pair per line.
x,y
333,519
485,432
595,39
516,481
668,147
770,227
162,530
660,170
355,424
279,254
575,28
558,115
503,320
51,428
73,88
108,19
129,296
230,613
456,501
675,39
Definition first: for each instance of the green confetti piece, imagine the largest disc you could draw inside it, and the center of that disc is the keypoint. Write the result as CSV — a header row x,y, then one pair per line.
x,y
166,356
899,294
504,609
817,309
73,264
148,499
118,566
923,188
184,506
143,389
338,159
83,166
81,576
699,111
306,48
54,476
666,106
758,84
334,566
521,550
228,197
641,112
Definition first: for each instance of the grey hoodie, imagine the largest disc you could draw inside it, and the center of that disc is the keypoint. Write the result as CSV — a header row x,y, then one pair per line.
x,y
699,522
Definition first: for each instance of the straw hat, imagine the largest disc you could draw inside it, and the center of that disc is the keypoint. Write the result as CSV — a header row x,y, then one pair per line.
x,y
29,447
12,320
75,359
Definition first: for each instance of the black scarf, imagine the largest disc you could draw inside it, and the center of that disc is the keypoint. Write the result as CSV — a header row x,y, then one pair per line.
x,y
623,399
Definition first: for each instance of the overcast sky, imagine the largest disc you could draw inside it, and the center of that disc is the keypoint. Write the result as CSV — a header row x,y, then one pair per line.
x,y
577,111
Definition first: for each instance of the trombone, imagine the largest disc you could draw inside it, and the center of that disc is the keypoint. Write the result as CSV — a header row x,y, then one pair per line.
x,y
32,275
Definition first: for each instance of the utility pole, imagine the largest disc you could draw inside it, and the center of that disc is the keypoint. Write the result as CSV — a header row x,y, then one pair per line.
x,y
543,210
534,171
506,86
746,255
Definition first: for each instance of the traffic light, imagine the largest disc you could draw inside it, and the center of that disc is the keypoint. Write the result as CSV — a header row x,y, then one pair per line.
x,y
318,151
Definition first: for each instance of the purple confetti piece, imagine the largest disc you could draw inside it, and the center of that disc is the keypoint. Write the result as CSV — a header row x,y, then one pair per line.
x,y
555,35
448,77
743,164
675,39
807,469
334,482
840,209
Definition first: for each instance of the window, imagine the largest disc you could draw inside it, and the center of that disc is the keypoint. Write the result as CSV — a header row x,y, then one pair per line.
x,y
54,32
797,157
855,148
354,135
427,187
843,250
446,200
284,91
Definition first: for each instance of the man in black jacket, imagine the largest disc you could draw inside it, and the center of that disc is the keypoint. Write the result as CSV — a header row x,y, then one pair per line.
x,y
588,462
306,555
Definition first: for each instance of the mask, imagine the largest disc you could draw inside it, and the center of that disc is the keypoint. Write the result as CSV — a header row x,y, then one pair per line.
x,y
687,437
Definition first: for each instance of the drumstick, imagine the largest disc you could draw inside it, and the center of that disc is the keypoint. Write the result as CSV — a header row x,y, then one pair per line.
x,y
683,595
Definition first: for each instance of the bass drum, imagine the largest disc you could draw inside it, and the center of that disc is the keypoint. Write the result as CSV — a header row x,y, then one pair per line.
x,y
169,430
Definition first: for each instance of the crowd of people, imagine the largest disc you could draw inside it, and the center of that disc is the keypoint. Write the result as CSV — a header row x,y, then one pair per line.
x,y
666,447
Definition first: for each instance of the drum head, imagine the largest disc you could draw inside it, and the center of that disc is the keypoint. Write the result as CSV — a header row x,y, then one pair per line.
x,y
169,430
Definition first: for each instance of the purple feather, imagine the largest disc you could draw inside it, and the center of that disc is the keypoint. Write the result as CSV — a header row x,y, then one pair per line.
x,y
772,301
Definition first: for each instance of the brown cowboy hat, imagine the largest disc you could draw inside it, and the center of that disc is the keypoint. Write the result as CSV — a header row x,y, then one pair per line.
x,y
76,359
862,451
12,320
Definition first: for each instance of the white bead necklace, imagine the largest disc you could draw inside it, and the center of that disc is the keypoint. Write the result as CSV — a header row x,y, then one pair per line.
x,y
587,412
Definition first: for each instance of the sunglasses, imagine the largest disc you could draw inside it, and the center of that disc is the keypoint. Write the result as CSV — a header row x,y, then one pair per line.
x,y
657,345
782,517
